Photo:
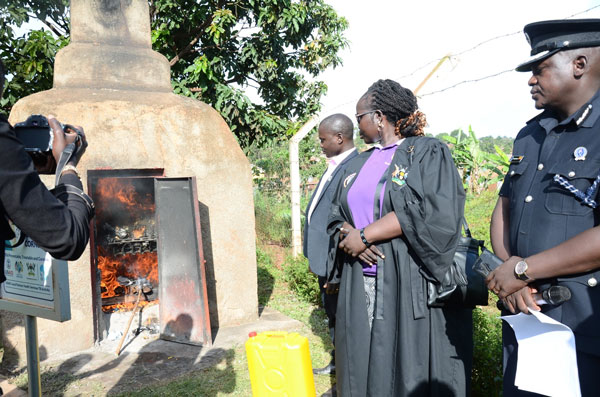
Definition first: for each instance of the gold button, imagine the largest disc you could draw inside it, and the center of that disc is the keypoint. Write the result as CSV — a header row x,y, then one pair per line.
x,y
571,174
540,166
528,199
592,282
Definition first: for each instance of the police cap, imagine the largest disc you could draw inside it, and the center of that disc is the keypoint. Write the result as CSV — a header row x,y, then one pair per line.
x,y
549,37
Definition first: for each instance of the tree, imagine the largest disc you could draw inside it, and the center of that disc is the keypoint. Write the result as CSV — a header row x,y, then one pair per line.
x,y
254,61
29,57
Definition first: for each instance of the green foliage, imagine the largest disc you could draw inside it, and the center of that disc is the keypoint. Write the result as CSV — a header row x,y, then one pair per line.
x,y
480,169
301,280
478,211
488,143
273,218
219,52
29,58
271,163
486,376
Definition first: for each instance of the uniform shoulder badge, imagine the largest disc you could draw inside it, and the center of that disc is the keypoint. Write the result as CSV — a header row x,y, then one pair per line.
x,y
516,159
399,175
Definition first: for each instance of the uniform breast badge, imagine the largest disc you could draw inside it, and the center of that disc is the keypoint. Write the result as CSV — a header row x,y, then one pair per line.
x,y
349,179
580,153
399,176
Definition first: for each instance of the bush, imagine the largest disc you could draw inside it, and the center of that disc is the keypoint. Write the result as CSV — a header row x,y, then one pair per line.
x,y
486,377
300,280
273,218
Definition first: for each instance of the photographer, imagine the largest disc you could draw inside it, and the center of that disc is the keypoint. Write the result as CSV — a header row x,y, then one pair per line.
x,y
60,225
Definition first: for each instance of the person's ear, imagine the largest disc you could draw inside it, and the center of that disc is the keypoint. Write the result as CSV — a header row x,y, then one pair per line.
x,y
378,119
580,66
340,138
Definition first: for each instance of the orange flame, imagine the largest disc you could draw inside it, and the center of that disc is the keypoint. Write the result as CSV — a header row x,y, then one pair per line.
x,y
132,266
121,192
118,194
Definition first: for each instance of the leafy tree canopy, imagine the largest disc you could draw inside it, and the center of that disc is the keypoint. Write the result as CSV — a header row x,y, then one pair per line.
x,y
219,51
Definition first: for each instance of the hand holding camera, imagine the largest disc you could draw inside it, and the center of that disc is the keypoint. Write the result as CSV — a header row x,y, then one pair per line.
x,y
46,139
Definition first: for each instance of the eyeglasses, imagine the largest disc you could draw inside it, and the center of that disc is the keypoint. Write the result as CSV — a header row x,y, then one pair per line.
x,y
360,115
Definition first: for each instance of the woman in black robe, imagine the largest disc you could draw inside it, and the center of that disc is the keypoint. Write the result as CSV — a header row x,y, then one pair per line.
x,y
395,230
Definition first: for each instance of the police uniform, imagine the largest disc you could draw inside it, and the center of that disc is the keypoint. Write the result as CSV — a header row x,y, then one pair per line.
x,y
552,186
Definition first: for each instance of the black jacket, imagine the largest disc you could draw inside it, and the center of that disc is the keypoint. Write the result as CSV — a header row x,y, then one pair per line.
x,y
60,228
316,242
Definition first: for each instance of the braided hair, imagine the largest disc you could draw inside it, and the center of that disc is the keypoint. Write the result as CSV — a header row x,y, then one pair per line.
x,y
398,105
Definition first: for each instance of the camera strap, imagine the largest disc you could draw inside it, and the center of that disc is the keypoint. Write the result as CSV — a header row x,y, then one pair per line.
x,y
65,156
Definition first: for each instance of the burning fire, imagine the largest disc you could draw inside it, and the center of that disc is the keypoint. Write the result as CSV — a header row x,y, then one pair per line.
x,y
122,203
122,193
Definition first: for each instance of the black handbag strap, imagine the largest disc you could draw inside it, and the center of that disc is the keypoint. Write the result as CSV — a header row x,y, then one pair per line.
x,y
465,226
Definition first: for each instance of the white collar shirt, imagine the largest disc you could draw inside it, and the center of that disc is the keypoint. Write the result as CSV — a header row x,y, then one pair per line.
x,y
333,162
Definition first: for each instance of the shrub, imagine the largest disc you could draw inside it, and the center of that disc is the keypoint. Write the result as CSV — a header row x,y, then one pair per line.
x,y
486,377
273,218
300,280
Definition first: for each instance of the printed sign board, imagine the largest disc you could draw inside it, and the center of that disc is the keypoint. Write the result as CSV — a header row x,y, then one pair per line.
x,y
36,284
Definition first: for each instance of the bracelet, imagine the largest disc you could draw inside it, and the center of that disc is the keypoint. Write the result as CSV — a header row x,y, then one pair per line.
x,y
69,167
363,238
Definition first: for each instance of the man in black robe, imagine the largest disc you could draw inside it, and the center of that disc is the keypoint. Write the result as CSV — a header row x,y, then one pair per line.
x,y
336,137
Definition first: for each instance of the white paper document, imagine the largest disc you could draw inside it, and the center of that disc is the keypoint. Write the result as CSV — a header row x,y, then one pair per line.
x,y
547,360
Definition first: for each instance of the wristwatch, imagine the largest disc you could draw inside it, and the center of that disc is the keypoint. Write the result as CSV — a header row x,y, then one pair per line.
x,y
521,271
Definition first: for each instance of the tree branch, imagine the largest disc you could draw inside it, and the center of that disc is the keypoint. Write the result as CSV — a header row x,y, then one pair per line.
x,y
197,33
49,25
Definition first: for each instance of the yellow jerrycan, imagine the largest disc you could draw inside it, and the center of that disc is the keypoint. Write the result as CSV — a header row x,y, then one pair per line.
x,y
279,364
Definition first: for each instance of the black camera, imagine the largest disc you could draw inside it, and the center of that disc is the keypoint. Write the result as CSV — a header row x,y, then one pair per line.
x,y
36,135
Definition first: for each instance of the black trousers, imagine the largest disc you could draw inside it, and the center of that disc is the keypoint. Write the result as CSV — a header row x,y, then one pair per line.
x,y
330,304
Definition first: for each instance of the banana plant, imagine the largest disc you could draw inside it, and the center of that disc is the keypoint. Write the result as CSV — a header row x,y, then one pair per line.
x,y
479,168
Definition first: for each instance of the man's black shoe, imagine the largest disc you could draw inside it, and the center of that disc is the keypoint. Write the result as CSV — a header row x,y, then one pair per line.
x,y
329,369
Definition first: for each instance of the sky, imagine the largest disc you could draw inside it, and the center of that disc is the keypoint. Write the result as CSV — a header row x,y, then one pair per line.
x,y
403,41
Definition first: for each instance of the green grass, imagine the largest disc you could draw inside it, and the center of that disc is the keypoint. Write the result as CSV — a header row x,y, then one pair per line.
x,y
478,211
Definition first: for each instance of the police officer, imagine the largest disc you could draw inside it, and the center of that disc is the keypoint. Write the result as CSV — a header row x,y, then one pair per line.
x,y
60,225
545,223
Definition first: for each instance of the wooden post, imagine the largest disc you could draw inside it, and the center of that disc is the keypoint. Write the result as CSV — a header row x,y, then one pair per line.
x,y
295,182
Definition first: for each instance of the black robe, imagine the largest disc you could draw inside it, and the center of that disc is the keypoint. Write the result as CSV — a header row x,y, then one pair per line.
x,y
412,350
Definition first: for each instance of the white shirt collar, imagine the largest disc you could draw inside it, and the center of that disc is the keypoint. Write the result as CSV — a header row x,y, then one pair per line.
x,y
341,157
